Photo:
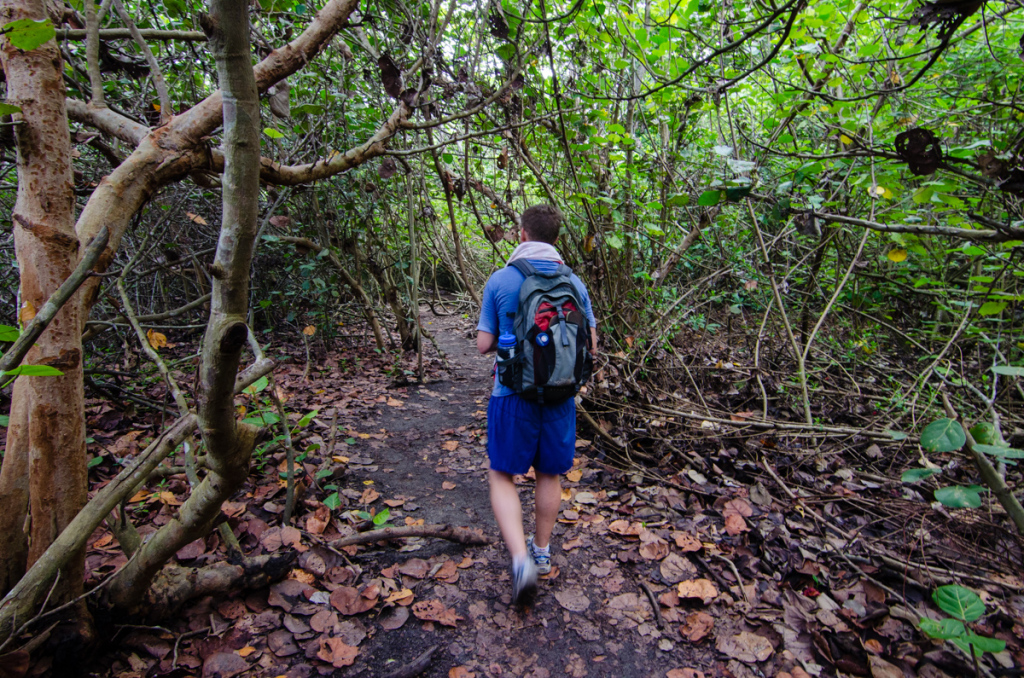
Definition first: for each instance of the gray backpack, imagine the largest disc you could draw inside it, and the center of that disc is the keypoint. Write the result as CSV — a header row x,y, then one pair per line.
x,y
553,357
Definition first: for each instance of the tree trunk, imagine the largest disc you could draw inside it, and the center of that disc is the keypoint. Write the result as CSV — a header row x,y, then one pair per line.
x,y
43,479
229,443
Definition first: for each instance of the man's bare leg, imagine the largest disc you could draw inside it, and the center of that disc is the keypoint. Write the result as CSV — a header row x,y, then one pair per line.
x,y
549,501
508,511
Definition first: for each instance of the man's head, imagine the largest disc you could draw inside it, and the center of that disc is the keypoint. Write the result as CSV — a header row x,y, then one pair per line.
x,y
540,223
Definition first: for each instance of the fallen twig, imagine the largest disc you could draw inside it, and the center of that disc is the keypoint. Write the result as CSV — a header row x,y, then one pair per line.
x,y
654,604
415,667
462,535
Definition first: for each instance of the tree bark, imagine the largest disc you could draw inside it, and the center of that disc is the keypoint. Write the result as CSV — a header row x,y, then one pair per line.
x,y
43,479
229,443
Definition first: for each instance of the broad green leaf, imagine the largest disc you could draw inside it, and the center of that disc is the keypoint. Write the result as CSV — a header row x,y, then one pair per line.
x,y
710,198
943,629
982,644
723,150
257,386
986,434
262,419
897,435
5,420
915,474
273,133
332,501
323,473
958,496
959,602
944,435
95,461
26,34
9,109
8,333
897,255
382,517
1009,370
614,241
997,451
992,307
304,422
33,371
350,441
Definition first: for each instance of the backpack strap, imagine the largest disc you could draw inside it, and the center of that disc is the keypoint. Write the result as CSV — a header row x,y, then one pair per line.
x,y
528,269
524,267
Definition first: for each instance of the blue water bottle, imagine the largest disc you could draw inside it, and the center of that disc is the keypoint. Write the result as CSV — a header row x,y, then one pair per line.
x,y
506,346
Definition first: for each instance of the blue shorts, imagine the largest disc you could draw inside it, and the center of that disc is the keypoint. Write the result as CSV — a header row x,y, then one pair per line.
x,y
521,434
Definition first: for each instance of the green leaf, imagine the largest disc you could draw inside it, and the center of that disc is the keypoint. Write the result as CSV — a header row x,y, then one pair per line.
x,y
27,34
958,496
323,473
614,241
992,307
723,150
257,386
332,501
1009,370
272,133
33,371
982,644
710,198
262,419
959,602
350,441
8,109
943,435
943,629
382,517
363,515
897,435
448,158
986,434
997,451
304,422
8,333
5,420
916,474
95,461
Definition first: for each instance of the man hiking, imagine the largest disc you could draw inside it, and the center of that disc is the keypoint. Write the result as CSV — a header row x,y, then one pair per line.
x,y
537,314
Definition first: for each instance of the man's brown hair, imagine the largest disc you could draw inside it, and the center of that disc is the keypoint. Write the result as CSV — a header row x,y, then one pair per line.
x,y
541,223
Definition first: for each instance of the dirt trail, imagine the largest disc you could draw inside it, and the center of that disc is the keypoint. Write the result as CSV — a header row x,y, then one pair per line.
x,y
591,619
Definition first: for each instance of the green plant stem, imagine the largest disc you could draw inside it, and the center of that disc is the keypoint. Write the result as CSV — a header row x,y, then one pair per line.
x,y
990,475
289,451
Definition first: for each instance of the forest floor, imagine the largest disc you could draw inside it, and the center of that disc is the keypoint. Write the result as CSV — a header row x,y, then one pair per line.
x,y
670,575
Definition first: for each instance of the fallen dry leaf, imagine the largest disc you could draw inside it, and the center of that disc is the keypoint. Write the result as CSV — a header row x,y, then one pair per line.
x,y
448,485
370,495
414,567
246,651
336,652
574,475
738,506
403,597
745,646
697,626
684,673
687,542
434,610
349,601
394,503
156,339
625,528
735,525
460,672
394,619
395,403
450,445
27,312
655,550
704,589
573,600
675,568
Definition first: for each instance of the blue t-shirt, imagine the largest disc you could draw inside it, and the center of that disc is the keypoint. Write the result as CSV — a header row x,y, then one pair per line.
x,y
501,297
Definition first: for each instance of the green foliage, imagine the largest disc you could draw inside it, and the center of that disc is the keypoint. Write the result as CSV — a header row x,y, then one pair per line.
x,y
958,496
963,605
26,34
917,474
943,435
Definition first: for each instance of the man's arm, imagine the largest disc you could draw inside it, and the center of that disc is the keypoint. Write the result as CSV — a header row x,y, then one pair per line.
x,y
486,342
593,340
